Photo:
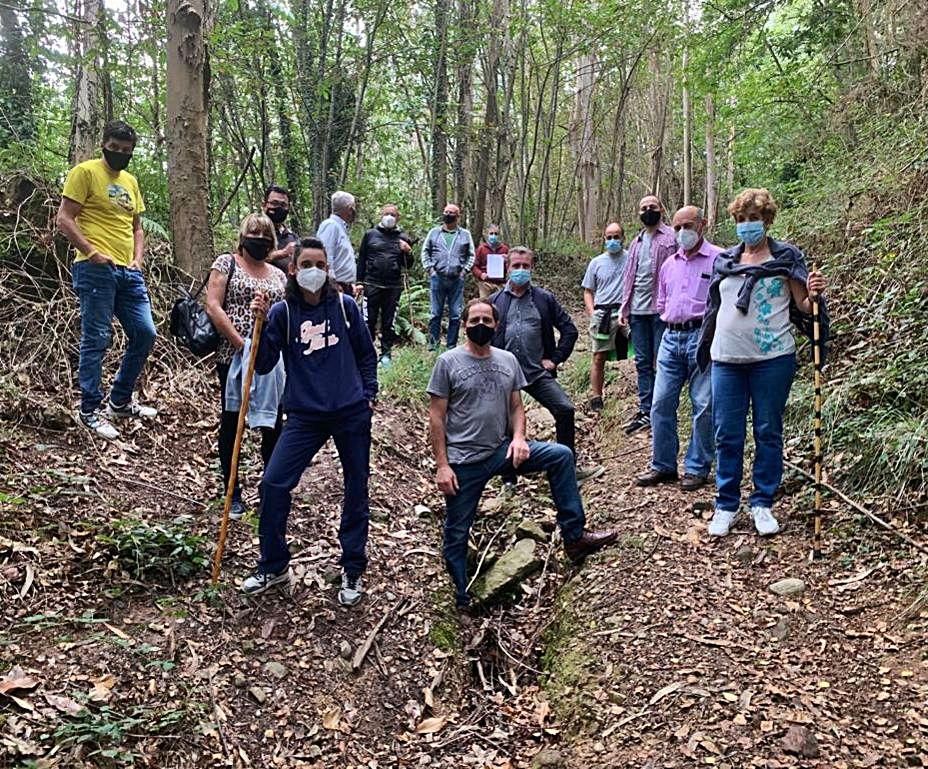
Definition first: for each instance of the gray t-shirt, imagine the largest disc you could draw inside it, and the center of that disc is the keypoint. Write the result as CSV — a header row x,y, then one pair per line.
x,y
644,279
478,392
523,336
604,278
764,332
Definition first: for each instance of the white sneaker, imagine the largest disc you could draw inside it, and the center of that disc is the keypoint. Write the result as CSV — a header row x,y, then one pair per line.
x,y
131,410
764,521
351,590
259,582
96,422
721,522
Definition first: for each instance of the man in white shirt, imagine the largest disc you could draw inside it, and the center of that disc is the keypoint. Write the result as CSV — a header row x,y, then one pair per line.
x,y
333,233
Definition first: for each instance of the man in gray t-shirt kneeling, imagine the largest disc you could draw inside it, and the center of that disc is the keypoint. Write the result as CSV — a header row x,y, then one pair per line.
x,y
477,426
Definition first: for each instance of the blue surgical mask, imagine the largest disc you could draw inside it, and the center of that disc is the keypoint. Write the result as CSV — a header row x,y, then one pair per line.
x,y
613,246
750,233
520,276
493,240
687,239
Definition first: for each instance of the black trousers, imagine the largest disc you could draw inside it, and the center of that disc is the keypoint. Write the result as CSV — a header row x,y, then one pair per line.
x,y
228,423
381,305
551,395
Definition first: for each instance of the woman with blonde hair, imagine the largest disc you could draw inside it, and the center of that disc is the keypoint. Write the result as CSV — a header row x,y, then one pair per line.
x,y
234,280
758,290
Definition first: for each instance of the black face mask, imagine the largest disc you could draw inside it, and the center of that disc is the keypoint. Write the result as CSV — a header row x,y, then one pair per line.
x,y
257,248
650,217
116,160
480,334
277,215
449,218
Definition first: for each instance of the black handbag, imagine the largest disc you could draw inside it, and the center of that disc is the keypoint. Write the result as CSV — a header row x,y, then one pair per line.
x,y
191,326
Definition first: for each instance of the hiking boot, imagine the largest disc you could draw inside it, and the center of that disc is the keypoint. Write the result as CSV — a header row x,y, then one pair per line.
x,y
596,404
237,510
259,582
721,522
131,410
385,361
99,424
588,472
691,481
654,477
638,422
764,521
351,590
589,543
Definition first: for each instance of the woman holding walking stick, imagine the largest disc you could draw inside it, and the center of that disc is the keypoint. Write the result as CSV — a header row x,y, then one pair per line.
x,y
330,393
757,290
234,280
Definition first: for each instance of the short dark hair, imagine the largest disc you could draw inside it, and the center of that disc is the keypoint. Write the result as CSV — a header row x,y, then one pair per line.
x,y
276,188
473,303
523,250
121,131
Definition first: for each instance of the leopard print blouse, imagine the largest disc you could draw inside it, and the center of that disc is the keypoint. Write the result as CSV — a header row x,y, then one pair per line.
x,y
238,299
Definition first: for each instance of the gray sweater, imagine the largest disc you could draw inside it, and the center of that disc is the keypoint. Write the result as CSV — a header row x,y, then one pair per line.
x,y
451,262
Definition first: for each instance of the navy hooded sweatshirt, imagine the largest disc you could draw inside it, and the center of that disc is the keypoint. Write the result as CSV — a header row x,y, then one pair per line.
x,y
330,359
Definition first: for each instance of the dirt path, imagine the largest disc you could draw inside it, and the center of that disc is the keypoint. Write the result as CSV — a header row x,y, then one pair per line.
x,y
668,650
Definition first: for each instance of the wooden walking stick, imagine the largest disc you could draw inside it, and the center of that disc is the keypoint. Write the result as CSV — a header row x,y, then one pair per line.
x,y
239,432
817,424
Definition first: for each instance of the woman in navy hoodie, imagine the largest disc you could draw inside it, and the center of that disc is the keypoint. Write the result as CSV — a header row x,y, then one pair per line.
x,y
331,388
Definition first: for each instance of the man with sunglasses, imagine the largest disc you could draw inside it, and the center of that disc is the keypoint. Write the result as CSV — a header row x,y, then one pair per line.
x,y
602,298
651,247
477,428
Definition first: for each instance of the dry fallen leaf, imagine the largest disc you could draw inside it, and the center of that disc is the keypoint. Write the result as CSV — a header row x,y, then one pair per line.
x,y
102,688
661,693
64,704
431,725
331,719
17,679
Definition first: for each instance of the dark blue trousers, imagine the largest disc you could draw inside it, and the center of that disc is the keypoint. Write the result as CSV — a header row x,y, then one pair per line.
x,y
301,439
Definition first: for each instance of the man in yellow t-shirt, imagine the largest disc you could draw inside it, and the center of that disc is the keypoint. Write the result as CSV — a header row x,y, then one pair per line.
x,y
99,215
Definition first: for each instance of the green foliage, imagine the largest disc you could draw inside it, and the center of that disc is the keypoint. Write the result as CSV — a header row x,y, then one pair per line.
x,y
405,381
147,550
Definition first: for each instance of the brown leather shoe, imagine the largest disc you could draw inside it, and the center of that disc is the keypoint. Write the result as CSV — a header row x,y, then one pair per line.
x,y
691,482
654,477
589,543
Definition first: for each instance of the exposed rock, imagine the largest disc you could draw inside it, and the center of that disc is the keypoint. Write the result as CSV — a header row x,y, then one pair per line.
x,y
511,568
345,651
780,631
239,681
529,529
259,694
801,742
276,669
548,758
744,554
788,586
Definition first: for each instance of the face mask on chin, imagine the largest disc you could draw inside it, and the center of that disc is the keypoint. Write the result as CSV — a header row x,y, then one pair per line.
x,y
480,334
311,278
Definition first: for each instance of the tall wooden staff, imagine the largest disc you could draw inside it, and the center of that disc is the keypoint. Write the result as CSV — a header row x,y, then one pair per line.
x,y
239,432
817,423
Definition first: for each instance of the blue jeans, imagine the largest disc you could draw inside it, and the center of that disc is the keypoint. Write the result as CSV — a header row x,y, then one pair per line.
x,y
766,385
445,290
105,290
676,365
646,332
553,458
301,438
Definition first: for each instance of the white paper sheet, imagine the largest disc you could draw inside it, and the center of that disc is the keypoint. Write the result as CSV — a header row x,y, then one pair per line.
x,y
495,266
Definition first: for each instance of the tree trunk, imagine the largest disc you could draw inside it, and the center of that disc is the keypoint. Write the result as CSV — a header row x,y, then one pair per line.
x,y
92,93
584,140
464,108
187,134
730,164
439,160
712,192
18,118
687,135
488,137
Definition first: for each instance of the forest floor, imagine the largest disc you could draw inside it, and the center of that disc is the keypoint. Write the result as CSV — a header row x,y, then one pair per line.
x,y
667,650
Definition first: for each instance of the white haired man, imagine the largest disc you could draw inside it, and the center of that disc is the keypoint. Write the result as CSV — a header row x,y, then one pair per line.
x,y
333,233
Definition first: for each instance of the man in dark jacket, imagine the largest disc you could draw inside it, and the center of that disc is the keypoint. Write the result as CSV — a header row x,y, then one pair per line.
x,y
384,254
528,317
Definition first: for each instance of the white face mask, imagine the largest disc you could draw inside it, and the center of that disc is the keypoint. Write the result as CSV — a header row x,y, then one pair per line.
x,y
311,278
687,239
388,222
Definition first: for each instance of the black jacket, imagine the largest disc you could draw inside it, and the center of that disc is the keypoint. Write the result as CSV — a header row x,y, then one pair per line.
x,y
380,260
553,316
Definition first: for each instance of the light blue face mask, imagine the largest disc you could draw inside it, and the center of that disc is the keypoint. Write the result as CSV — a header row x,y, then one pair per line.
x,y
750,233
520,276
493,239
613,246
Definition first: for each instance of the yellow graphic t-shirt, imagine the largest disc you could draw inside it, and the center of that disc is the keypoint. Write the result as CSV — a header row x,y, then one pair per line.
x,y
110,200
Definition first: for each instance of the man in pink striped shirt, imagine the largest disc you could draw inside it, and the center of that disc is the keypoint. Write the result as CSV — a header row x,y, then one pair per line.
x,y
682,290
